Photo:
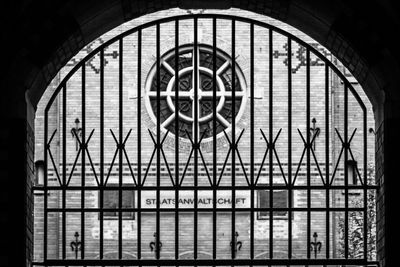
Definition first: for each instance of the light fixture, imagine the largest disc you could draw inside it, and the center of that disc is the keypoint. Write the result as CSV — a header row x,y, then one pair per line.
x,y
39,173
315,131
76,132
352,171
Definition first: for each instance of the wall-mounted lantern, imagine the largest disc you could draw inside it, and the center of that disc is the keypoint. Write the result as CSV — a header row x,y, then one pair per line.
x,y
76,132
315,131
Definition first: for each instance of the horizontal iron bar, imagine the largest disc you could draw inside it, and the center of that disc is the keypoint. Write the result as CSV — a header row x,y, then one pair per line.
x,y
202,209
227,188
203,262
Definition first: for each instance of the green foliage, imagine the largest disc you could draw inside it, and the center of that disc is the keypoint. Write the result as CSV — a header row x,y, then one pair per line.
x,y
356,225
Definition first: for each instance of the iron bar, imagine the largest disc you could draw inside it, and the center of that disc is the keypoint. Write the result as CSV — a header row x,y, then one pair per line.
x,y
45,190
214,121
196,129
139,145
54,165
308,85
101,202
251,140
366,204
203,16
206,209
204,262
64,169
346,174
120,159
83,80
177,138
289,170
233,144
327,180
222,188
271,179
158,146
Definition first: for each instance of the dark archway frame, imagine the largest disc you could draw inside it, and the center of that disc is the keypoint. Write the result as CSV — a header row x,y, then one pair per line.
x,y
351,30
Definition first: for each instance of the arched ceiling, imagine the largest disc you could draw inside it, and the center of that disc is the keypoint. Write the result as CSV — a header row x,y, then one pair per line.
x,y
41,36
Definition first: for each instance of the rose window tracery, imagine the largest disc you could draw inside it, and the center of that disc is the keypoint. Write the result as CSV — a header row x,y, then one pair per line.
x,y
204,87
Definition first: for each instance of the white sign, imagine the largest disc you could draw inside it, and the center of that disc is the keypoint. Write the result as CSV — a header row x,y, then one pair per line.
x,y
204,199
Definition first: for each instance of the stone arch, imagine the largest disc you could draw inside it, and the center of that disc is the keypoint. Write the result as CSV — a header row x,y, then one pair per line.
x,y
323,22
344,28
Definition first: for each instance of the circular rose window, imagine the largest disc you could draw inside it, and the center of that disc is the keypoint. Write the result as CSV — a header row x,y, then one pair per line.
x,y
186,99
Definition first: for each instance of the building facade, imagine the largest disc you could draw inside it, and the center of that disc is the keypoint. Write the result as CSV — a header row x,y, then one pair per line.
x,y
140,123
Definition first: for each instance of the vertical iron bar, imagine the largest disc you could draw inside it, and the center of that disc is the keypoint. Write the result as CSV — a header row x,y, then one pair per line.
x,y
346,174
327,246
139,144
271,180
46,122
101,151
64,167
196,129
366,192
158,142
120,149
290,193
308,154
233,228
83,141
176,139
252,140
214,138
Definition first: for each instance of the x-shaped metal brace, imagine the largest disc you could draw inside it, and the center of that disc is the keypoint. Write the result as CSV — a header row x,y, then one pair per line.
x,y
157,146
120,147
195,146
52,158
271,146
83,147
345,146
233,146
309,146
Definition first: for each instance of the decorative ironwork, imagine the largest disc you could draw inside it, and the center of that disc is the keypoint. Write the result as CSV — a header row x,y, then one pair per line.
x,y
236,245
200,95
76,133
155,245
315,131
76,245
315,246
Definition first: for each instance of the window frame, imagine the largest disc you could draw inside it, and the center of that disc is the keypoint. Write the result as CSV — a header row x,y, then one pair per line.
x,y
279,217
132,215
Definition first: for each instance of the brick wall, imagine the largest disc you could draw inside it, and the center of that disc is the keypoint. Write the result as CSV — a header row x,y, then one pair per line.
x,y
380,202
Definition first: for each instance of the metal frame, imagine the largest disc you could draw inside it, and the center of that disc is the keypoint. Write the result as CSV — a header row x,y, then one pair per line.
x,y
289,185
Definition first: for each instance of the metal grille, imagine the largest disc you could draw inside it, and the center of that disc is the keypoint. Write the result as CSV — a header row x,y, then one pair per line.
x,y
196,167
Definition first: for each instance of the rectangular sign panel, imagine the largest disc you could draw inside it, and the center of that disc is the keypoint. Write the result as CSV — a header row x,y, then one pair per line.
x,y
204,199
